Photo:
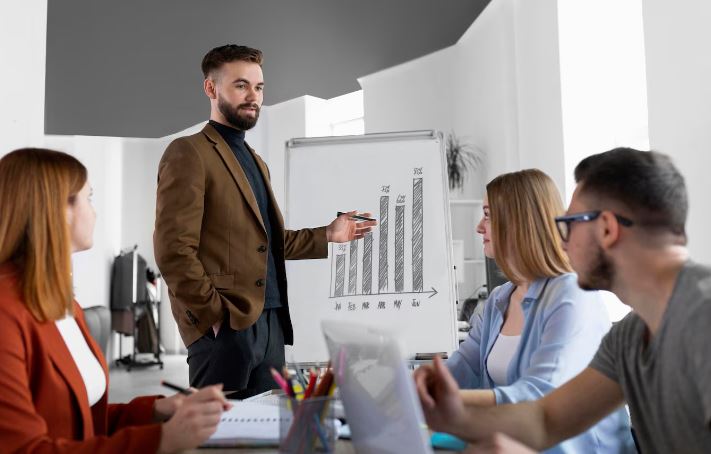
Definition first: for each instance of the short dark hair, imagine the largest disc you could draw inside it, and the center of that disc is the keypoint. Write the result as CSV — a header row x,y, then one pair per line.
x,y
646,183
218,56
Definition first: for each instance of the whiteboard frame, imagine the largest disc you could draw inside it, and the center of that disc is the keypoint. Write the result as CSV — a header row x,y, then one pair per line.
x,y
384,137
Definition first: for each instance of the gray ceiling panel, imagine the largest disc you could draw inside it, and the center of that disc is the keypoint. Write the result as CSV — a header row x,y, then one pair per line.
x,y
131,68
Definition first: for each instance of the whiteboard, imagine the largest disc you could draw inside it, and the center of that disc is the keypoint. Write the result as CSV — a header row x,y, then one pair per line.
x,y
401,276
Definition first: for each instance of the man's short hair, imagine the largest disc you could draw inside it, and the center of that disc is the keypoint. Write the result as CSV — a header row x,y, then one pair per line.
x,y
218,56
645,183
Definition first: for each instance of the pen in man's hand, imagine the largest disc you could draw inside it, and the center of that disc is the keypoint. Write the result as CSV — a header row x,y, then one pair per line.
x,y
356,217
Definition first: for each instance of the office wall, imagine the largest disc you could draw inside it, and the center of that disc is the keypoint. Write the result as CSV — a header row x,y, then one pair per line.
x,y
678,45
140,158
484,80
102,158
411,96
91,271
282,122
23,34
498,88
511,67
538,87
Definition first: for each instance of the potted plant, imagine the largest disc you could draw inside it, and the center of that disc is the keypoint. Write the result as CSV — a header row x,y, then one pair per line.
x,y
461,158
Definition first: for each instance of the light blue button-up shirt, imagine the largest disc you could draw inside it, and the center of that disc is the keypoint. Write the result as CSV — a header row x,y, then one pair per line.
x,y
562,331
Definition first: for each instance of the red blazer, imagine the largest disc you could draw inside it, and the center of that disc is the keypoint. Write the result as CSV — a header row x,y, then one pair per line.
x,y
43,401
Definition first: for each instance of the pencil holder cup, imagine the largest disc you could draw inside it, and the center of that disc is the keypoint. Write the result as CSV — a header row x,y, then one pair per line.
x,y
307,426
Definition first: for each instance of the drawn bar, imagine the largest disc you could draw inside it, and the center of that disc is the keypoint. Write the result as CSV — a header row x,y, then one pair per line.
x,y
383,244
417,219
340,273
353,268
368,264
399,248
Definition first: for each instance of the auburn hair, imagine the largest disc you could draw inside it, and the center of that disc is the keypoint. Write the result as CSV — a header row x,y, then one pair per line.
x,y
522,208
36,186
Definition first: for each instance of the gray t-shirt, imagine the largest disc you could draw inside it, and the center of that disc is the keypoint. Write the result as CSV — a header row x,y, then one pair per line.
x,y
667,382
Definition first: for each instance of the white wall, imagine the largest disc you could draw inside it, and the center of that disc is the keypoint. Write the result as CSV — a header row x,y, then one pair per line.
x,y
23,35
102,158
412,96
538,88
484,83
282,122
678,49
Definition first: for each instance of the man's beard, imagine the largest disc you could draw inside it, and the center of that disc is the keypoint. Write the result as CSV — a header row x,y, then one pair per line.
x,y
233,117
600,275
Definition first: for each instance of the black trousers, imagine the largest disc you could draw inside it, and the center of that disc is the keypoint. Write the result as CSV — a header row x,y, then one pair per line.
x,y
240,360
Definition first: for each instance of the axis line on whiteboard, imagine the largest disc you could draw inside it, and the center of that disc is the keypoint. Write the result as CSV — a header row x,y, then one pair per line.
x,y
432,293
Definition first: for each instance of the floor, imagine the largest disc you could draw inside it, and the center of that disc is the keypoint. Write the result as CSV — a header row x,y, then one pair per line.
x,y
141,381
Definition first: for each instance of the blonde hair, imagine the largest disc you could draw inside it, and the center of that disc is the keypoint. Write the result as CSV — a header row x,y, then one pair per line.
x,y
36,186
522,208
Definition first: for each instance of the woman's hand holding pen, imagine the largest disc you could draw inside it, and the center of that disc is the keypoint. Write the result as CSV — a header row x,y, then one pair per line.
x,y
194,418
345,228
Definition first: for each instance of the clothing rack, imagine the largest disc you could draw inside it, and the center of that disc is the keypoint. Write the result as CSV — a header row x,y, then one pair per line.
x,y
135,312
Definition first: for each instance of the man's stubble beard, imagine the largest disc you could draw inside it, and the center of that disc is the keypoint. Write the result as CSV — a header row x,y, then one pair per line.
x,y
601,273
233,117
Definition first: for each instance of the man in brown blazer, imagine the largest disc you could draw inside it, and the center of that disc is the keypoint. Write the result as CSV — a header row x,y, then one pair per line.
x,y
219,236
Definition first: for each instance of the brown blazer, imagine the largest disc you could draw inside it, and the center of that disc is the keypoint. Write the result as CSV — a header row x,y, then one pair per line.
x,y
43,401
210,242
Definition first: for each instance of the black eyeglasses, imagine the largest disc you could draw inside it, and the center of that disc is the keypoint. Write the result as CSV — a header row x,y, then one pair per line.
x,y
564,223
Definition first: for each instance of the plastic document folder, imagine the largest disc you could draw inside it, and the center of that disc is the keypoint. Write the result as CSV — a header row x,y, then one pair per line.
x,y
247,424
378,393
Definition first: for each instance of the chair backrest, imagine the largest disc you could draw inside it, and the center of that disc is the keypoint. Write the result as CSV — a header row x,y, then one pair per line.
x,y
98,319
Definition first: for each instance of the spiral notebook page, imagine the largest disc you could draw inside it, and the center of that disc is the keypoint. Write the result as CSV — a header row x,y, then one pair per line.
x,y
247,423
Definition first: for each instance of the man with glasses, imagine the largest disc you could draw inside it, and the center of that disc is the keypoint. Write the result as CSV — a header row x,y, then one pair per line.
x,y
624,232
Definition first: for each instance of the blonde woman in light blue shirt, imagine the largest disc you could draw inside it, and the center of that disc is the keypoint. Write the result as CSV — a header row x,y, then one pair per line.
x,y
539,329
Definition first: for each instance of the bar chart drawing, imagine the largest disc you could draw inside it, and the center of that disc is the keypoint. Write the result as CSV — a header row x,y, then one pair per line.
x,y
396,269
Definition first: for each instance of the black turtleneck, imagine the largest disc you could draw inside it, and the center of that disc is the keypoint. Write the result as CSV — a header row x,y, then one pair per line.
x,y
235,139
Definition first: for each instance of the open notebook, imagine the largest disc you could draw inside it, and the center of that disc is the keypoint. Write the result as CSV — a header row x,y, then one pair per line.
x,y
247,424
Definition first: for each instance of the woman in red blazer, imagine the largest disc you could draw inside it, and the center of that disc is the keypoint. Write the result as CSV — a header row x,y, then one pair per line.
x,y
45,215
